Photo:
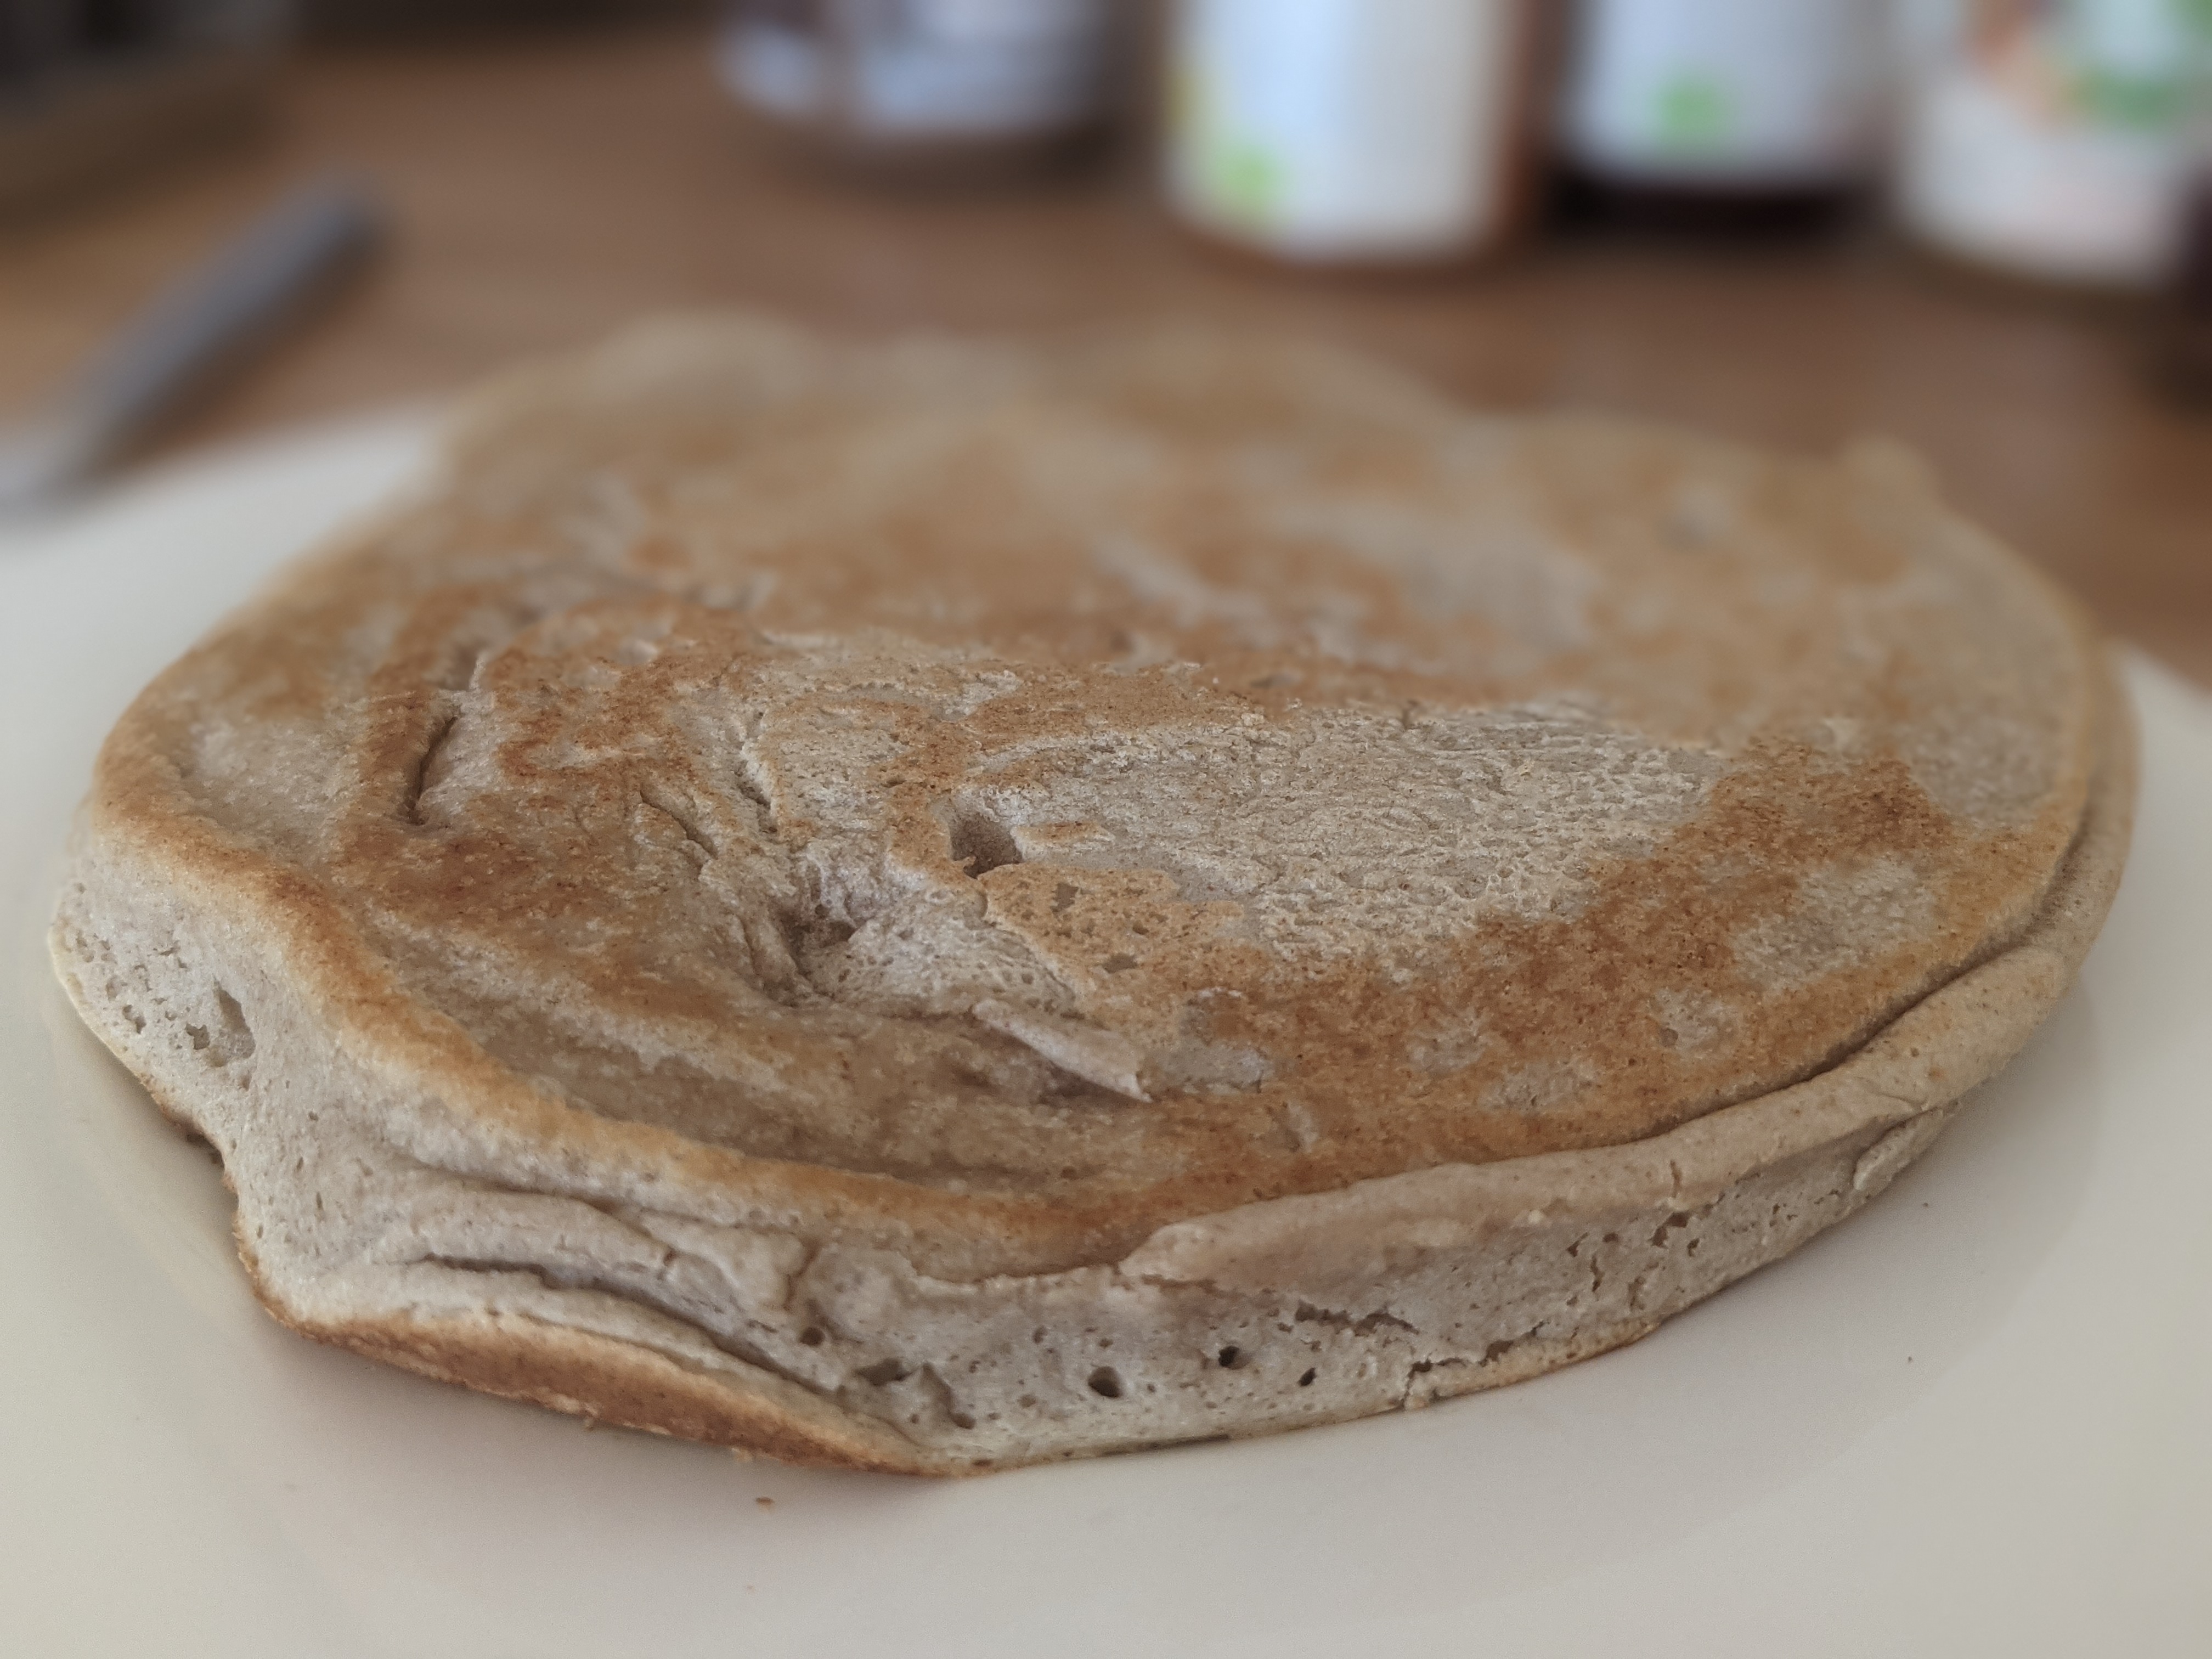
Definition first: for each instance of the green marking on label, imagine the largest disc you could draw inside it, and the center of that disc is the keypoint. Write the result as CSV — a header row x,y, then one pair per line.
x,y
2139,103
1245,179
1694,112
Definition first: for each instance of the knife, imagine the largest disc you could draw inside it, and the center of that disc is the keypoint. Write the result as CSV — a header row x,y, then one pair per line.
x,y
210,318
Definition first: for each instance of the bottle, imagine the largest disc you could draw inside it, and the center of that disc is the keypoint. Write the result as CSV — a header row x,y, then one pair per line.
x,y
927,89
1352,132
2049,138
2185,334
1724,112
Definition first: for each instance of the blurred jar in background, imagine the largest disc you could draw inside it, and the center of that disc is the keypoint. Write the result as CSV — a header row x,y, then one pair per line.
x,y
937,88
2049,137
2186,356
1729,113
1352,132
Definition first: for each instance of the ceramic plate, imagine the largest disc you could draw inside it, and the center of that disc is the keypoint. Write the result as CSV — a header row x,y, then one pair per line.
x,y
1976,1420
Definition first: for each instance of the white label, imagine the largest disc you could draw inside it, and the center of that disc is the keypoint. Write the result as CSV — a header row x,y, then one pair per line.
x,y
1344,128
2052,139
1770,93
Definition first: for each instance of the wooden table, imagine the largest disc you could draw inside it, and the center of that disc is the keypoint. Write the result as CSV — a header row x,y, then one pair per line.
x,y
546,189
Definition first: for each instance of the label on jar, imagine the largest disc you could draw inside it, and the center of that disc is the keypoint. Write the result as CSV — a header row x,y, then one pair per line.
x,y
2050,137
1370,130
923,69
1748,94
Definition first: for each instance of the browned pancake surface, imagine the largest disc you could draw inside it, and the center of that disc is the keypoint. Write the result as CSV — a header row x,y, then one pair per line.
x,y
1048,794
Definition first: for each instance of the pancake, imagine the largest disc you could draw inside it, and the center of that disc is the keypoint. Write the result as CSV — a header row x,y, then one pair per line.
x,y
935,905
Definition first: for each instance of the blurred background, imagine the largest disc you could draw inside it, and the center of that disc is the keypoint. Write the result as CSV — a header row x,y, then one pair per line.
x,y
1982,226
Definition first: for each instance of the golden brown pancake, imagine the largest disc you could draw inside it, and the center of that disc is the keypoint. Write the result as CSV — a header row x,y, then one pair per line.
x,y
938,905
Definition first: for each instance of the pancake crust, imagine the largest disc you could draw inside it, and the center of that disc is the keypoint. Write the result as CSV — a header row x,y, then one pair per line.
x,y
935,905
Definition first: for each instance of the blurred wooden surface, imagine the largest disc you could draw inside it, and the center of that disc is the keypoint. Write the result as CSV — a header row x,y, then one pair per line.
x,y
545,189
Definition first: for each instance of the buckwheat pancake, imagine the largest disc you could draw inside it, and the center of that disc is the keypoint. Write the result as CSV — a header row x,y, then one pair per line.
x,y
936,905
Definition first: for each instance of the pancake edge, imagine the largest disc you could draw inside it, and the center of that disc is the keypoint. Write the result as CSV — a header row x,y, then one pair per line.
x,y
1359,1259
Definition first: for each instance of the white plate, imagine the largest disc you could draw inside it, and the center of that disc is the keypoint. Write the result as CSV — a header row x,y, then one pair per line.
x,y
1977,1420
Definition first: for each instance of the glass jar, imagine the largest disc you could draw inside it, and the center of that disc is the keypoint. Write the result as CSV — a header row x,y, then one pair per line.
x,y
2049,137
2185,346
1352,132
1725,112
927,88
